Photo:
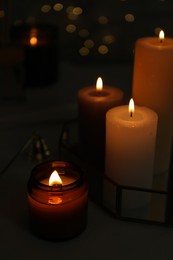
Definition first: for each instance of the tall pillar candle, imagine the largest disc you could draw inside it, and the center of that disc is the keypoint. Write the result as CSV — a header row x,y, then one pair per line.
x,y
153,87
93,103
130,145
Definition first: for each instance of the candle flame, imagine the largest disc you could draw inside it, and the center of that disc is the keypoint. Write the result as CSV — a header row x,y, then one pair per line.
x,y
99,84
131,107
54,179
161,36
33,40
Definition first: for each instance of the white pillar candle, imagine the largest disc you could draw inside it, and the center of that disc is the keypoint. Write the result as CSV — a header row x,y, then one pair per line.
x,y
153,87
130,145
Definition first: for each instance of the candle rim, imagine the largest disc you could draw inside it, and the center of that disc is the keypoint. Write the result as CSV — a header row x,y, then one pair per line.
x,y
113,93
67,187
153,41
124,110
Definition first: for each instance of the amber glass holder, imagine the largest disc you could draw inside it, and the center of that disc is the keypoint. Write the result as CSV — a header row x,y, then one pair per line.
x,y
129,203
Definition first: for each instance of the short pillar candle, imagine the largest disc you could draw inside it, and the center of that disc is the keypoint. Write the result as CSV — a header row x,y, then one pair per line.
x,y
93,103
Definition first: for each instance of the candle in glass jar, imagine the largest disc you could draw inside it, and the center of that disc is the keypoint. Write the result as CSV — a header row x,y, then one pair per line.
x,y
93,103
153,87
57,198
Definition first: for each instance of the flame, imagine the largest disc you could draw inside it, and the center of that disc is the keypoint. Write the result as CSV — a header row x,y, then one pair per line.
x,y
33,40
131,107
99,84
161,36
54,179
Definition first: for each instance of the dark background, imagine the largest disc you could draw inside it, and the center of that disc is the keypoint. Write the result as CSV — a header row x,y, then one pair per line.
x,y
112,25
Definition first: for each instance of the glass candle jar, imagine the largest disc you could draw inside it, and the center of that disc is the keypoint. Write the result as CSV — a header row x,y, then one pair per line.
x,y
57,210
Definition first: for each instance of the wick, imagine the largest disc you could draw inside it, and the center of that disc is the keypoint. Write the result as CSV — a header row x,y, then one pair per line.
x,y
131,114
161,40
56,185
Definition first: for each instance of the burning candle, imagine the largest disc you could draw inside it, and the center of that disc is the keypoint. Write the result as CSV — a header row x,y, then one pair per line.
x,y
130,149
57,197
93,103
33,40
39,42
152,87
130,145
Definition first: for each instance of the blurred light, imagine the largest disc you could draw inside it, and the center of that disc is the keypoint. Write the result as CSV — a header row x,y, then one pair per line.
x,y
72,16
30,20
129,18
89,43
77,10
33,32
102,19
46,8
103,49
58,7
70,28
84,51
2,13
83,33
18,22
69,9
108,39
33,41
157,30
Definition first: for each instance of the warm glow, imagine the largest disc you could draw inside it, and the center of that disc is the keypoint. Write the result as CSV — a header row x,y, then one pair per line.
x,y
157,30
46,8
102,19
70,28
161,36
33,41
131,107
84,51
58,7
99,84
108,39
129,18
69,9
72,16
103,49
54,179
83,33
77,10
89,43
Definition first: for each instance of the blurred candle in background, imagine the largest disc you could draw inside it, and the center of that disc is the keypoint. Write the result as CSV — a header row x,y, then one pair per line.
x,y
40,42
93,103
153,87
